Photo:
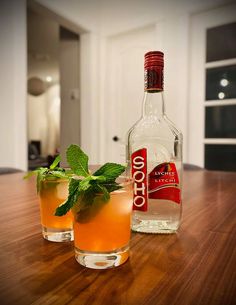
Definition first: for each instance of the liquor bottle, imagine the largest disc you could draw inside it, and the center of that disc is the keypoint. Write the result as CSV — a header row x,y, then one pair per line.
x,y
154,157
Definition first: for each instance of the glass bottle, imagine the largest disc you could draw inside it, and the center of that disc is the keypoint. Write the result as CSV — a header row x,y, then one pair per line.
x,y
154,157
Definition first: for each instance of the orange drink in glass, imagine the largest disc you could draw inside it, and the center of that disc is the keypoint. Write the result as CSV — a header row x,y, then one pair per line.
x,y
52,193
102,232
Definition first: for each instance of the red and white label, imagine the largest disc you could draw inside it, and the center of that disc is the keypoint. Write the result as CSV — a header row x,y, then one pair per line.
x,y
139,173
164,183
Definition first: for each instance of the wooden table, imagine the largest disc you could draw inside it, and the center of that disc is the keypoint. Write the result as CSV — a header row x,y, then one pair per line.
x,y
196,266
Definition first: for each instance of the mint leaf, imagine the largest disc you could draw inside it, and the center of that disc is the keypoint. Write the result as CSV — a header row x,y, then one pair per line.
x,y
51,173
106,195
89,181
85,184
57,174
74,184
71,200
77,160
87,198
98,178
55,162
65,207
40,177
110,171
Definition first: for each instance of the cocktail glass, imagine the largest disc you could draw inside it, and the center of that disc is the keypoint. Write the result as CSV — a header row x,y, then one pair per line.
x,y
52,193
102,232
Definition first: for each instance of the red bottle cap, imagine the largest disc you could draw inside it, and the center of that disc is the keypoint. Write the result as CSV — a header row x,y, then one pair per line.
x,y
154,59
153,71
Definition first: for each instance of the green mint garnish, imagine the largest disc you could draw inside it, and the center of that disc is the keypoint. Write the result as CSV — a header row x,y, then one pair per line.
x,y
51,173
72,198
86,195
40,177
77,160
110,171
55,162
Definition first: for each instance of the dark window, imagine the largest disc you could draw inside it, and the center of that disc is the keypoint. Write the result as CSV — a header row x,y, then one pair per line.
x,y
220,122
220,157
221,83
221,42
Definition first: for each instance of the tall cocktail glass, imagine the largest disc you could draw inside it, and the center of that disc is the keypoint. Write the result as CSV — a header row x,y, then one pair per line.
x,y
102,231
52,193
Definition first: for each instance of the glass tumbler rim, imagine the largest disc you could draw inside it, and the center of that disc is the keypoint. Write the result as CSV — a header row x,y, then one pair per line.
x,y
54,180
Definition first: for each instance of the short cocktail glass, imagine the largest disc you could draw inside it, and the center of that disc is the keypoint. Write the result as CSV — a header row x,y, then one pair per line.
x,y
52,193
102,232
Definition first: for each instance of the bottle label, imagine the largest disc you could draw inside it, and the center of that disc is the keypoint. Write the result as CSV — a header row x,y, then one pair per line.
x,y
164,183
153,78
139,173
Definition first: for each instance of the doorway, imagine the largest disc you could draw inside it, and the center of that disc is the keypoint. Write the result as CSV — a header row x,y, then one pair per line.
x,y
125,64
53,87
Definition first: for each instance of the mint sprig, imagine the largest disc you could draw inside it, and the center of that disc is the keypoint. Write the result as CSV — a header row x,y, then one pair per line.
x,y
84,194
51,173
110,171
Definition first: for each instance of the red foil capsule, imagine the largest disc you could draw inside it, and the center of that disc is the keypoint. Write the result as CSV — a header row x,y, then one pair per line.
x,y
153,71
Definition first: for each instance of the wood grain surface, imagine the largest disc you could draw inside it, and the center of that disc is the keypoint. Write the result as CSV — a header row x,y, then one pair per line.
x,y
196,266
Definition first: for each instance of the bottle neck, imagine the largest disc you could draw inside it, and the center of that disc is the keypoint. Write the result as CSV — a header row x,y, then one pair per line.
x,y
153,104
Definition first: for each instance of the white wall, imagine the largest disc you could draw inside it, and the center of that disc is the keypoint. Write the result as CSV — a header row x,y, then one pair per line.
x,y
173,20
101,19
70,103
13,137
105,19
85,14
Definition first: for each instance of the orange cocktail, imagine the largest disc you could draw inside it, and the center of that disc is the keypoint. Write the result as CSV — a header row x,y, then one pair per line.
x,y
52,194
102,235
